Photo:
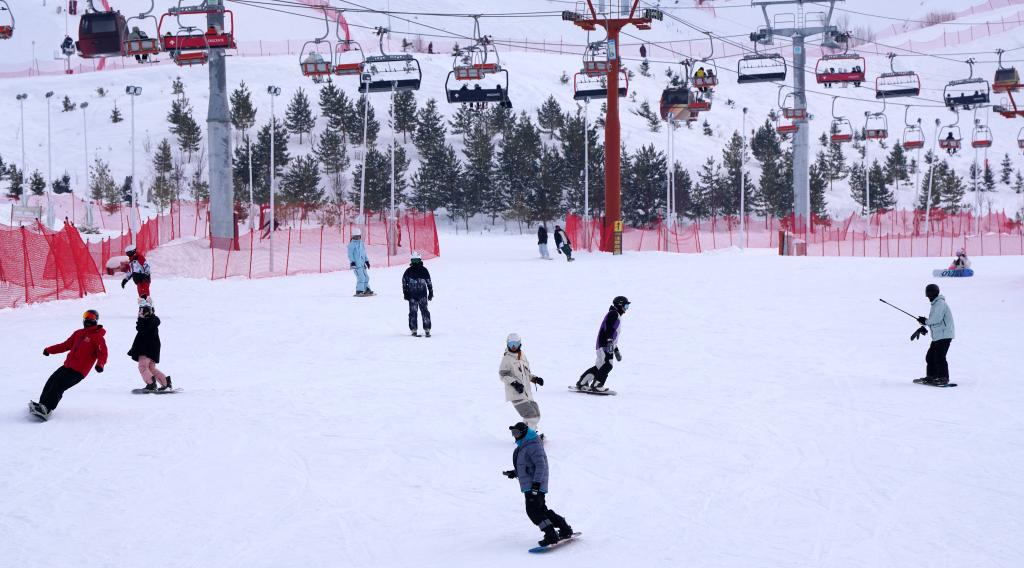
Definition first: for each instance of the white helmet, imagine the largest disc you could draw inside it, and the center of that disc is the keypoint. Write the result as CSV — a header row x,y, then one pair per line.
x,y
513,341
129,250
416,255
357,232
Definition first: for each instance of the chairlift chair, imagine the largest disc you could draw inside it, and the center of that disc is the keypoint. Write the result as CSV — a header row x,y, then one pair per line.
x,y
787,128
841,130
6,20
1020,139
212,38
950,137
101,34
1007,79
982,137
842,68
189,35
895,83
471,67
586,87
761,68
595,59
876,126
706,75
343,67
387,73
913,135
958,94
137,45
789,108
311,57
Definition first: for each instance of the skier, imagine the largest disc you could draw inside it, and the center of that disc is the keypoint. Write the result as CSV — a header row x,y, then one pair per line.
x,y
542,242
138,35
359,262
940,322
562,243
146,351
961,261
417,290
514,371
593,379
86,349
138,272
530,464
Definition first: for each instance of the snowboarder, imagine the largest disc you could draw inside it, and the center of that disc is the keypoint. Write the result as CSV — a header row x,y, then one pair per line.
x,y
514,371
530,464
359,262
86,350
562,243
961,261
542,242
940,322
417,290
138,272
607,347
146,351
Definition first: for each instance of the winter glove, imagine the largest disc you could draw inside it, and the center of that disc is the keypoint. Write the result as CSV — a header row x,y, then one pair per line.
x,y
922,320
511,474
406,296
124,283
351,265
99,368
618,356
518,386
430,297
367,264
537,381
920,332
46,353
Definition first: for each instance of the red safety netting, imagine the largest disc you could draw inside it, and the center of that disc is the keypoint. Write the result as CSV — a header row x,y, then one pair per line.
x,y
887,234
310,240
184,219
39,265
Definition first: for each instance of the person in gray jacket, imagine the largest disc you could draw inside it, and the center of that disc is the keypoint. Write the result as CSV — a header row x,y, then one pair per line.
x,y
531,468
940,323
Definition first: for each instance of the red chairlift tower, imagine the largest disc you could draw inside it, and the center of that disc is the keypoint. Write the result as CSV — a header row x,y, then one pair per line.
x,y
613,22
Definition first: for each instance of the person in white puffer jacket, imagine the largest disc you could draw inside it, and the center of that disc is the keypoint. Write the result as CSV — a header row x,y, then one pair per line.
x,y
515,373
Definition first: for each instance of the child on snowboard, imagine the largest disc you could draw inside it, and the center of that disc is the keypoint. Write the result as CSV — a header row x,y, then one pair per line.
x,y
514,371
417,290
530,464
86,350
146,351
562,243
961,261
593,379
940,322
359,262
138,272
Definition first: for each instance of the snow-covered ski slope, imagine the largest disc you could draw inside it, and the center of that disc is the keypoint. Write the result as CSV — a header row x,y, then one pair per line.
x,y
765,417
534,75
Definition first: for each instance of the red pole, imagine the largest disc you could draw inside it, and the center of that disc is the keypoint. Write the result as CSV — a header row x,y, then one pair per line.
x,y
612,143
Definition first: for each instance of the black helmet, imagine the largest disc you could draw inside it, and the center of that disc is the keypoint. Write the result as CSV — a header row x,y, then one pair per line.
x,y
519,430
620,302
932,291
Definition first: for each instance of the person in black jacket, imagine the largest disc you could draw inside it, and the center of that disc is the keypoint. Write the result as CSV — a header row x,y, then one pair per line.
x,y
542,242
417,290
562,243
146,350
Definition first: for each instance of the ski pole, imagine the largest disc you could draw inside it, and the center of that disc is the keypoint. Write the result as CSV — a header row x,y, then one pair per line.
x,y
900,309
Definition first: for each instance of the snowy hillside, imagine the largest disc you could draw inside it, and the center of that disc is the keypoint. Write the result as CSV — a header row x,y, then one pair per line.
x,y
536,48
765,417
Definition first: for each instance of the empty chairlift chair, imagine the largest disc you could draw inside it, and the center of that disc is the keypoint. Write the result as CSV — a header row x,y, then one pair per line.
x,y
895,83
982,136
1020,139
586,87
191,45
876,126
348,59
841,130
761,68
595,59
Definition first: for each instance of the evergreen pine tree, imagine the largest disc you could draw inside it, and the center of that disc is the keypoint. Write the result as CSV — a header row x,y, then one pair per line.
x,y
707,128
643,196
354,127
163,165
1005,170
437,181
1018,182
301,184
464,119
644,112
645,67
882,197
706,192
518,158
775,189
545,200
299,118
198,188
115,115
102,188
430,131
974,176
36,183
896,169
988,179
378,178
818,184
62,185
405,113
243,113
836,163
333,156
952,190
16,182
261,160
67,105
931,176
550,118
572,149
329,108
480,192
683,185
500,120
177,87
184,126
733,158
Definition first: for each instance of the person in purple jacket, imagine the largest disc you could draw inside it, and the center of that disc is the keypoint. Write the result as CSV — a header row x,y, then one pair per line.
x,y
593,379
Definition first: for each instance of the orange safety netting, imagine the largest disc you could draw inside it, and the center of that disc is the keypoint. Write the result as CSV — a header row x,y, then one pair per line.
x,y
38,265
888,234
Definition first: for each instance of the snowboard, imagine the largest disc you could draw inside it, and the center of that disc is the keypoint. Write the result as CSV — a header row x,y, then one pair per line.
x,y
945,386
364,295
32,411
144,391
953,273
605,393
539,549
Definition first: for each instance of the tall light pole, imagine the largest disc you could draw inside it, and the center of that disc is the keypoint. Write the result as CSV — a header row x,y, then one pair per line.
x,y
931,180
49,163
273,92
668,173
248,146
132,92
362,175
743,180
21,102
85,158
393,216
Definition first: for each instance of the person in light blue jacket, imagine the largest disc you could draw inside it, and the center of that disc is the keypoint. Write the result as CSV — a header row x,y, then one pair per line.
x,y
940,323
531,469
360,263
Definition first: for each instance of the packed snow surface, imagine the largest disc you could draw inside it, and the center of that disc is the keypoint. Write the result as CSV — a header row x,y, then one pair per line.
x,y
765,417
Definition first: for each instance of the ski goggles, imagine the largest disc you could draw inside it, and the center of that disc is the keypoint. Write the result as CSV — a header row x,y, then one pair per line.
x,y
91,315
514,344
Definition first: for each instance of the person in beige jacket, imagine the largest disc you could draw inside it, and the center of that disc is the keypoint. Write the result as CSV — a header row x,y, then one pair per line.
x,y
515,373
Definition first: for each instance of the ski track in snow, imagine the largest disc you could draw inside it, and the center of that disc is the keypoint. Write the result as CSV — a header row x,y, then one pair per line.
x,y
765,417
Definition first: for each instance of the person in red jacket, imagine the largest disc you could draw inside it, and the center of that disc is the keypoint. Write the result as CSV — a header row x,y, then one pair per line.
x,y
138,272
86,348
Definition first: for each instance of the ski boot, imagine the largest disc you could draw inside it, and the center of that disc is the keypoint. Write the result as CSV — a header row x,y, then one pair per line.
x,y
924,380
426,332
39,410
415,333
564,530
550,536
939,381
169,386
151,387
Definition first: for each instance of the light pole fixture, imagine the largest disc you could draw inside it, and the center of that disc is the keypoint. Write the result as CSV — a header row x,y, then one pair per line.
x,y
21,102
49,163
274,92
132,92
